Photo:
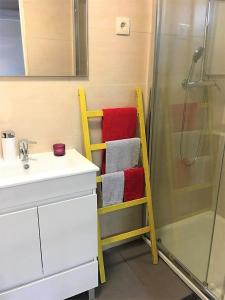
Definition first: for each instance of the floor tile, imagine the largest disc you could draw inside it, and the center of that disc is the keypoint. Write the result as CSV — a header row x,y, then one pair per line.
x,y
131,276
159,280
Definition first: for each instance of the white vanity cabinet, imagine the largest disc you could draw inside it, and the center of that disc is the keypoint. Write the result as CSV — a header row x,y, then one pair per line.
x,y
68,233
20,257
48,230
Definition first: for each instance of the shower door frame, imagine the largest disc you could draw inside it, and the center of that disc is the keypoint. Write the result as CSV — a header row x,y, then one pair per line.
x,y
163,252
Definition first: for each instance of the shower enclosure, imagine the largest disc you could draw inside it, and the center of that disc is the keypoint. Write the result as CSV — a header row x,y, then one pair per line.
x,y
187,138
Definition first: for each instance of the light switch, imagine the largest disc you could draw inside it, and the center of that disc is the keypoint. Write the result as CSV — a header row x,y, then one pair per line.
x,y
122,26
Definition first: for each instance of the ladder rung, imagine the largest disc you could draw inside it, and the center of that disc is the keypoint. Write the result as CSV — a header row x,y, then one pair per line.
x,y
124,236
96,147
127,204
98,179
94,113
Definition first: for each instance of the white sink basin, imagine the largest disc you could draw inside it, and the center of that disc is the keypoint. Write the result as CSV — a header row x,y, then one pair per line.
x,y
48,179
44,166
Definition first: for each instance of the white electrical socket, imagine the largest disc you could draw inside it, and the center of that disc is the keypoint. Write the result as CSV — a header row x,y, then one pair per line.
x,y
122,26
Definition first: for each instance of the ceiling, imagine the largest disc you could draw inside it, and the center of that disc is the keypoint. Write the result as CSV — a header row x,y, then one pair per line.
x,y
9,4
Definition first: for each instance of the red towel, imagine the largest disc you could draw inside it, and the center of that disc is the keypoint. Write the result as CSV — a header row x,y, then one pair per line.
x,y
118,124
134,186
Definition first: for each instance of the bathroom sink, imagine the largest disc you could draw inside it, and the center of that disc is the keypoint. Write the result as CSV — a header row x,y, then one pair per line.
x,y
48,177
44,166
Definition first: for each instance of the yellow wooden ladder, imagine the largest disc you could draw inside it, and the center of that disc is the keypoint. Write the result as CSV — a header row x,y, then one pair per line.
x,y
85,115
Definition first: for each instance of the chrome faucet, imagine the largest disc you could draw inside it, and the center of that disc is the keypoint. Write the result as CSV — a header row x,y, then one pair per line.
x,y
24,153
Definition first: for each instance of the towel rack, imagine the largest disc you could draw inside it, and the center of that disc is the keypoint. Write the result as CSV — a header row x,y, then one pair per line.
x,y
147,200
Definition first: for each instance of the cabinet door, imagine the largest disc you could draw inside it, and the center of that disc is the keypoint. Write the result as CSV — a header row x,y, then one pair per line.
x,y
20,257
68,233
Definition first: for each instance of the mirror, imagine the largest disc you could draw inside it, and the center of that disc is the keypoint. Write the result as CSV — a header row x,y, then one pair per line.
x,y
43,38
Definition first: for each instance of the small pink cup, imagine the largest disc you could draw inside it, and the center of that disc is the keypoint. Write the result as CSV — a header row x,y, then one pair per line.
x,y
59,149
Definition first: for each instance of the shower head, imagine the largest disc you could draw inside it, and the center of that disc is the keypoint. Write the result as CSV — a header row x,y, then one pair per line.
x,y
198,54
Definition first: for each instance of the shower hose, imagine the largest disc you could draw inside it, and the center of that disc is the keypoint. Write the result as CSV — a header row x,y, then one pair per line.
x,y
186,161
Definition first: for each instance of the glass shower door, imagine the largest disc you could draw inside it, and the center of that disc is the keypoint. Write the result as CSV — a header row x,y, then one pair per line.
x,y
216,71
184,148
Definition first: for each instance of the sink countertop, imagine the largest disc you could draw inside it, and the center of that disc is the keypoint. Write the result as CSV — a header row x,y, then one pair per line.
x,y
44,166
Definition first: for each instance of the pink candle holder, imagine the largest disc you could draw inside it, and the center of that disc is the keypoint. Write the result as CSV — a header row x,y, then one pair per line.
x,y
59,149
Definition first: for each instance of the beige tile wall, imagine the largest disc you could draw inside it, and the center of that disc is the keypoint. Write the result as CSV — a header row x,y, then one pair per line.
x,y
47,111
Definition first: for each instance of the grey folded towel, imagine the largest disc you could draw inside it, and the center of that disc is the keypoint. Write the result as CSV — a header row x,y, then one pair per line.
x,y
122,154
112,188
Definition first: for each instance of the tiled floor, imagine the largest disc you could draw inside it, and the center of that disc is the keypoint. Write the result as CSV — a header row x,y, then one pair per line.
x,y
131,276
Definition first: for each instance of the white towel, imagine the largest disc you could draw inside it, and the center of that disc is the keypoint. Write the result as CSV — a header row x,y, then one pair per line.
x,y
122,154
112,188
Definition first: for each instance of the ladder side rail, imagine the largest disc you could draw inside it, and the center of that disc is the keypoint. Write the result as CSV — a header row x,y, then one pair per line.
x,y
87,148
84,121
147,174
